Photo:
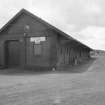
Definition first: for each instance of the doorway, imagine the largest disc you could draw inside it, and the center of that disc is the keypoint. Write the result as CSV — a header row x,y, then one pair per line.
x,y
12,53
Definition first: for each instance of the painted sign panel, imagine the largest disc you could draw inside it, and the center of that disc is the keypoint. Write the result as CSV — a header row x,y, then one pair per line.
x,y
37,40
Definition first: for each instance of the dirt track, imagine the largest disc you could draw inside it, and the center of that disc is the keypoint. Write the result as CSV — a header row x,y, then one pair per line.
x,y
86,88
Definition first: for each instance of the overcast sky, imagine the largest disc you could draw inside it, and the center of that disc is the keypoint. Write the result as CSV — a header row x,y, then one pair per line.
x,y
82,19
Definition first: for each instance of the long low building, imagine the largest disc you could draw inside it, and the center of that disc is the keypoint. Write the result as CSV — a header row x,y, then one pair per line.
x,y
28,41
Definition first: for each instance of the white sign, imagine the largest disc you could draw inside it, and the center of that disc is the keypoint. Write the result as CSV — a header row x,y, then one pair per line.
x,y
37,40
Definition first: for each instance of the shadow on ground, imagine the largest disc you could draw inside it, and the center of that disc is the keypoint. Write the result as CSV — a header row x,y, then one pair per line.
x,y
67,69
83,67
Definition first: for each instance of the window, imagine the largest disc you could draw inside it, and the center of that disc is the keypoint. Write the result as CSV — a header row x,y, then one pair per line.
x,y
37,49
37,44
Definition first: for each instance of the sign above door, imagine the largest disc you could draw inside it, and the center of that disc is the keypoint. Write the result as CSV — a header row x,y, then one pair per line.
x,y
37,40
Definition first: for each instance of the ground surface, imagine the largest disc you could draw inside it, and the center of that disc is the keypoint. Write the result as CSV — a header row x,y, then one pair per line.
x,y
55,88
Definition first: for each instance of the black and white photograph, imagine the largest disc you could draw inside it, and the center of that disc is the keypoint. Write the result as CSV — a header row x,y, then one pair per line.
x,y
52,52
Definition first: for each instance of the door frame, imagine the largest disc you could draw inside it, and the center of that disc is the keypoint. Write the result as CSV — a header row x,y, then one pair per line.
x,y
6,51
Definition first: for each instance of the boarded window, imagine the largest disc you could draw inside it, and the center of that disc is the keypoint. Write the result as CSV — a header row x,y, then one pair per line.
x,y
37,49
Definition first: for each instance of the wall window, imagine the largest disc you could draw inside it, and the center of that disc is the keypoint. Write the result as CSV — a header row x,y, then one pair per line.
x,y
37,44
37,49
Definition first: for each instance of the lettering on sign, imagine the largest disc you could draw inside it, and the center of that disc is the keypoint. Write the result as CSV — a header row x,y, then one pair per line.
x,y
37,40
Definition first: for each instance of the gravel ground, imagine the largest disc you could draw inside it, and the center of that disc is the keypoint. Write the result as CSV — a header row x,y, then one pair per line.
x,y
55,88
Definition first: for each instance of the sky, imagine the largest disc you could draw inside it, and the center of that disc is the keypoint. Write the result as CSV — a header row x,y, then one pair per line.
x,y
81,19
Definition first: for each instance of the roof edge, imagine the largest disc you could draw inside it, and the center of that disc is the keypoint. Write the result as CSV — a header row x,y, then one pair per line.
x,y
43,22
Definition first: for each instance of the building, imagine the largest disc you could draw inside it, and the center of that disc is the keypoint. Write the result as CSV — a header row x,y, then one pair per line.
x,y
28,41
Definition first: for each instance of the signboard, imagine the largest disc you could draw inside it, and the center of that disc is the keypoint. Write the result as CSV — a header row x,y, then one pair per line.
x,y
37,40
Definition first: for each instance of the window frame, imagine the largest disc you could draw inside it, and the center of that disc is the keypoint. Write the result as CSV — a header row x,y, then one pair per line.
x,y
37,52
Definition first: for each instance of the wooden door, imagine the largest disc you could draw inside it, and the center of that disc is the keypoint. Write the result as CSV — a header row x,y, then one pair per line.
x,y
13,53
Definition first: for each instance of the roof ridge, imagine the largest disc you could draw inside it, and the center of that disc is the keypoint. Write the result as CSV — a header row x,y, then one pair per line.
x,y
42,21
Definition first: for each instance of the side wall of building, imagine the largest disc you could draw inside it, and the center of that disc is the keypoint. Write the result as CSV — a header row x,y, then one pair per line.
x,y
70,52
